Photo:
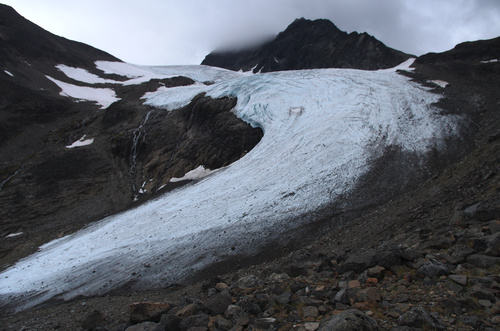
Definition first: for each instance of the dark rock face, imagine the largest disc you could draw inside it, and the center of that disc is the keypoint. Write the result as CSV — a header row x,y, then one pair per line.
x,y
309,44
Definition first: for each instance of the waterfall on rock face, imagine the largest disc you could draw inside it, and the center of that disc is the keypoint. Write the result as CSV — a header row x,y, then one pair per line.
x,y
138,136
2,183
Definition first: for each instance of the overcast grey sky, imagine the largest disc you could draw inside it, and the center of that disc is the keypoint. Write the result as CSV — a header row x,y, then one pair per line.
x,y
167,32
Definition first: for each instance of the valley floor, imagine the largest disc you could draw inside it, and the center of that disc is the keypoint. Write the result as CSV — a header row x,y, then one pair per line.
x,y
427,260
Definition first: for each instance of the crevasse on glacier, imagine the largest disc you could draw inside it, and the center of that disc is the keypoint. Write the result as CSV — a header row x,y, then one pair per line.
x,y
321,129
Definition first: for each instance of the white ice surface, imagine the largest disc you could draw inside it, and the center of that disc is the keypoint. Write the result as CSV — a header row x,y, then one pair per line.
x,y
322,130
102,96
81,142
198,173
140,74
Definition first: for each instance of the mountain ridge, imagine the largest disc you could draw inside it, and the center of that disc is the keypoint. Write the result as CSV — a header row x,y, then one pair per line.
x,y
307,44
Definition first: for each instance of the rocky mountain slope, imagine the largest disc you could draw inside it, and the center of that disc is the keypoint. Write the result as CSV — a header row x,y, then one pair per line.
x,y
309,44
48,190
426,258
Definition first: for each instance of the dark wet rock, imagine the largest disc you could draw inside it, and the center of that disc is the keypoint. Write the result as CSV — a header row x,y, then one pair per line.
x,y
494,226
482,293
188,310
469,320
388,258
357,262
94,320
223,324
482,211
169,322
418,317
492,244
349,320
218,303
145,326
249,306
368,294
267,323
147,311
458,253
199,320
411,254
483,261
284,297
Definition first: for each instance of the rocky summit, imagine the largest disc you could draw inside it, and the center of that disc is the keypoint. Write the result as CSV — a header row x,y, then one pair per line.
x,y
309,44
412,245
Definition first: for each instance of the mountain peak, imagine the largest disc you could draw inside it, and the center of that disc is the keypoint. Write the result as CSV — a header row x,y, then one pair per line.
x,y
310,44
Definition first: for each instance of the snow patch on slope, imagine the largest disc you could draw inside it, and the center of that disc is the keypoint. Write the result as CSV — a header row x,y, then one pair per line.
x,y
83,75
81,142
198,173
322,130
103,96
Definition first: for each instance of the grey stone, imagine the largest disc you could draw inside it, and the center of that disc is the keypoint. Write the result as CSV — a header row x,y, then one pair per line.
x,y
275,277
485,303
145,326
482,211
368,294
433,268
232,310
493,245
94,320
494,226
265,323
284,297
199,320
482,293
223,324
351,319
483,261
358,262
249,281
418,317
310,311
469,320
218,303
459,279
342,296
147,311
169,322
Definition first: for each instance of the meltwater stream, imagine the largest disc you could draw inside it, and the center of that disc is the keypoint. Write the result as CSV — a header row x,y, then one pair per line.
x,y
322,128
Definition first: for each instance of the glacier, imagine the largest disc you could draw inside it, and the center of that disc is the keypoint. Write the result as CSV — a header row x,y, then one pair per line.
x,y
322,130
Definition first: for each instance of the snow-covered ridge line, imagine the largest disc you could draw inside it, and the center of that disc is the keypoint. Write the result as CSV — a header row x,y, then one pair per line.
x,y
322,129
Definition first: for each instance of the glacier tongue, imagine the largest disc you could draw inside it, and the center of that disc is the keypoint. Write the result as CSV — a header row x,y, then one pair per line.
x,y
322,128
